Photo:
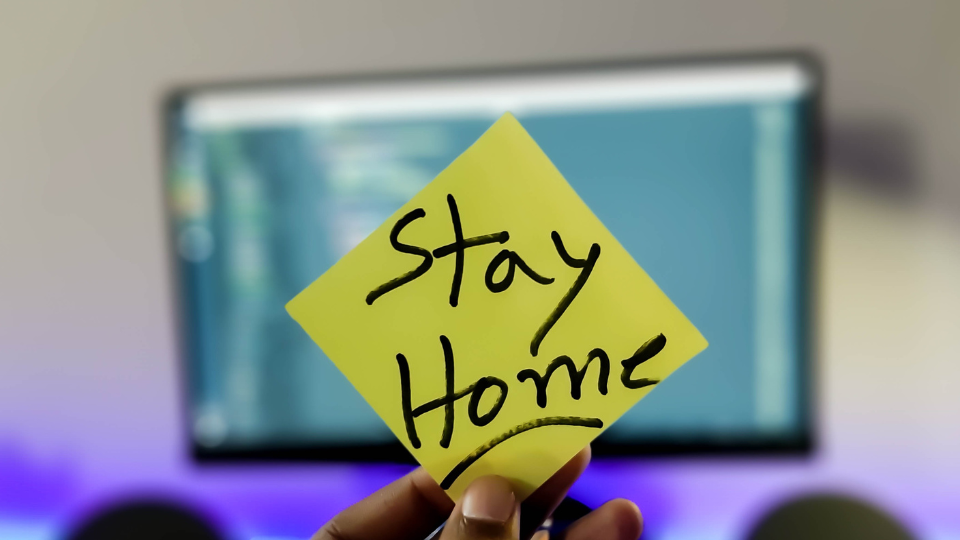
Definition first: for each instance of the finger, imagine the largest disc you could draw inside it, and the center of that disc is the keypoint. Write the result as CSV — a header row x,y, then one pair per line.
x,y
488,510
408,509
542,502
618,519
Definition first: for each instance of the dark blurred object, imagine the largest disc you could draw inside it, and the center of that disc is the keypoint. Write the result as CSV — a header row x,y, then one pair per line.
x,y
145,520
568,511
828,517
880,154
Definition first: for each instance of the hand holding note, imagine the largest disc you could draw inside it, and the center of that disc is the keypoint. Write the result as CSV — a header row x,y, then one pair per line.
x,y
493,322
414,506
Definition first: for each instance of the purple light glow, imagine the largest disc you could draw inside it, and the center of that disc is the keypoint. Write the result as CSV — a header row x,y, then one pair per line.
x,y
718,498
727,496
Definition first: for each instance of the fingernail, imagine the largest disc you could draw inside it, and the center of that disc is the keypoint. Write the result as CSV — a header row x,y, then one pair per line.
x,y
489,499
541,535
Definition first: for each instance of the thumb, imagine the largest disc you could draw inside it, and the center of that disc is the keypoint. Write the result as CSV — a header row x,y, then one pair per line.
x,y
488,510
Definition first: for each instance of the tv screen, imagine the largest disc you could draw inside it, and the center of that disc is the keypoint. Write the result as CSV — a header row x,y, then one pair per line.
x,y
701,169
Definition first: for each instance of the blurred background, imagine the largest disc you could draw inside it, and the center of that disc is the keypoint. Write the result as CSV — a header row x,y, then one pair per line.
x,y
92,409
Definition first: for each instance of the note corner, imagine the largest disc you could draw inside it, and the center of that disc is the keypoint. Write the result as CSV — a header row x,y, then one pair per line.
x,y
293,307
702,344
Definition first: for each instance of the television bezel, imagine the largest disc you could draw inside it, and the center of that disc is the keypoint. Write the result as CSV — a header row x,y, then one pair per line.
x,y
803,444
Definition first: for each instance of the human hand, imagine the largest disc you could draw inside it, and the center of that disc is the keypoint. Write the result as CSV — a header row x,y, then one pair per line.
x,y
414,506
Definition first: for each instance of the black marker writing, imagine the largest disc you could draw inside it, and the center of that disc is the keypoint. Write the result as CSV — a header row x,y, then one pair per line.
x,y
476,390
514,261
586,266
646,351
511,258
404,248
466,462
479,388
459,246
576,376
405,401
448,399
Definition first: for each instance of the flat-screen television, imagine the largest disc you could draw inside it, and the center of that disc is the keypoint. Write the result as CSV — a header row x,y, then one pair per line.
x,y
703,169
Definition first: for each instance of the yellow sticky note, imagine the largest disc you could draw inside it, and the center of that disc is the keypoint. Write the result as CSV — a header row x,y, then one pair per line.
x,y
493,322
